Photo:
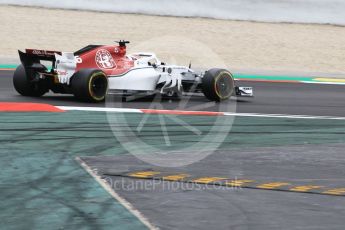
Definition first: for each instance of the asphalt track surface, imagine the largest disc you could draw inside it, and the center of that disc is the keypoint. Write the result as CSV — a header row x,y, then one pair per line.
x,y
172,205
270,98
307,152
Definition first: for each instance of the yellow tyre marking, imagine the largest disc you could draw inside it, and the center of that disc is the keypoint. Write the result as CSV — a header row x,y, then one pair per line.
x,y
205,180
176,177
305,188
337,191
90,86
272,185
238,183
215,83
143,174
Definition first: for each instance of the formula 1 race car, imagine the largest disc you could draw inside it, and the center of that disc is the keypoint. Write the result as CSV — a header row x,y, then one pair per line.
x,y
95,70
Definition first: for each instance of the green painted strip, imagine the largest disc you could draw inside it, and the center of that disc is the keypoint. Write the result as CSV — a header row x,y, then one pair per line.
x,y
273,78
8,66
43,186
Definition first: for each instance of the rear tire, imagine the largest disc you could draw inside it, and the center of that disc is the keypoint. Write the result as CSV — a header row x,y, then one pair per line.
x,y
22,84
218,84
90,85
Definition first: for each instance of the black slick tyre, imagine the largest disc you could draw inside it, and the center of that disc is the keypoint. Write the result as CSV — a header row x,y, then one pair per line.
x,y
90,85
218,84
23,84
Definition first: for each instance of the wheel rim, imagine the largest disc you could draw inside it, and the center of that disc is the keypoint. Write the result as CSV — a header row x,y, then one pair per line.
x,y
224,85
98,87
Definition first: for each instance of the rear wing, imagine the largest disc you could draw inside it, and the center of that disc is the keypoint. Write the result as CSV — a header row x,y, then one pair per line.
x,y
33,56
62,68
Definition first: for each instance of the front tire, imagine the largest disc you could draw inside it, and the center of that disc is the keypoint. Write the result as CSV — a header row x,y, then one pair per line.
x,y
90,85
25,87
218,84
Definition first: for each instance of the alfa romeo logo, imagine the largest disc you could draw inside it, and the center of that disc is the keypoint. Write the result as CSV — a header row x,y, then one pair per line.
x,y
104,60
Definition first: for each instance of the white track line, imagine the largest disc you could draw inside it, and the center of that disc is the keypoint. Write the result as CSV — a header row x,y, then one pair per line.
x,y
125,110
100,109
292,81
323,82
115,195
283,116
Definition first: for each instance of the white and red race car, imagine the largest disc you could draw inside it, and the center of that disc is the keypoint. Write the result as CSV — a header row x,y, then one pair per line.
x,y
93,71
